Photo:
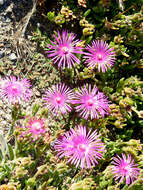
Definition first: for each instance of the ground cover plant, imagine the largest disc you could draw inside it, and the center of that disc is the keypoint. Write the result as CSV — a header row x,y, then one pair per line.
x,y
86,130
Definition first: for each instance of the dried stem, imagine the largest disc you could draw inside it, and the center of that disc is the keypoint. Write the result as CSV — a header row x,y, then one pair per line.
x,y
29,15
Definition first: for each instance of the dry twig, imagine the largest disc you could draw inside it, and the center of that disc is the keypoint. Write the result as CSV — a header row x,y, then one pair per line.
x,y
19,41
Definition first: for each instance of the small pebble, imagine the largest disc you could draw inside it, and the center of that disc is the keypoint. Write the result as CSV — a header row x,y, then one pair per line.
x,y
7,20
2,54
7,117
12,57
1,2
1,132
3,123
37,93
2,113
3,18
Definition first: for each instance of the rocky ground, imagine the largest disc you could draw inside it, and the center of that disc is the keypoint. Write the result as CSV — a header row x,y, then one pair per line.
x,y
11,14
15,49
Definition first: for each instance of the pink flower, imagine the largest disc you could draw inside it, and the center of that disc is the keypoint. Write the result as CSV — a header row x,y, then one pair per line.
x,y
80,147
100,55
15,90
63,50
58,98
90,102
35,127
125,168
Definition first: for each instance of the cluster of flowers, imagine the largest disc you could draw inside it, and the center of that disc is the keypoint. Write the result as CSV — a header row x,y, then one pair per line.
x,y
64,49
81,147
88,101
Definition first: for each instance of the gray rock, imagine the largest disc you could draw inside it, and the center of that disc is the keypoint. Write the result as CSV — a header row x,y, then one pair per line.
x,y
8,20
1,113
2,54
2,19
3,123
1,2
1,132
37,93
12,57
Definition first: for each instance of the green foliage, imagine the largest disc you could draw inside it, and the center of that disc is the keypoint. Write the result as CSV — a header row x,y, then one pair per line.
x,y
86,184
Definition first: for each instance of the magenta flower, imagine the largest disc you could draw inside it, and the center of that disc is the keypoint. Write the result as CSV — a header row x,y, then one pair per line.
x,y
125,168
100,55
63,50
35,127
58,98
90,102
15,90
80,147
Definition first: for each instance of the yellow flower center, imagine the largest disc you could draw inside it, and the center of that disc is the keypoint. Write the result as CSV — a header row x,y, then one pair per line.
x,y
36,125
99,56
58,99
81,147
65,50
90,102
